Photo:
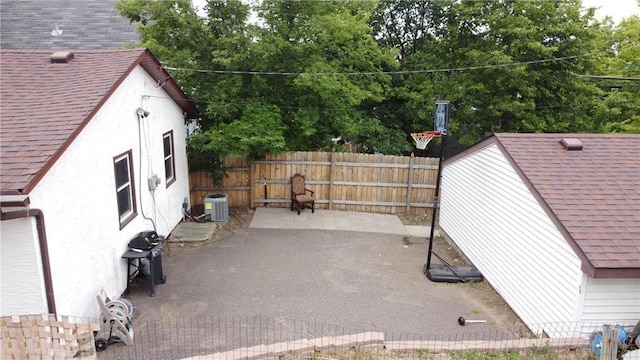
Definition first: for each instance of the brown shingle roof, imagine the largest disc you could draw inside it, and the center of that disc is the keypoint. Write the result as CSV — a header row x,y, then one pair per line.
x,y
594,193
44,105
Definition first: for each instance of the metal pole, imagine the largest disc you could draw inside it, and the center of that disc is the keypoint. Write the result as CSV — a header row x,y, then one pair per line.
x,y
265,195
436,200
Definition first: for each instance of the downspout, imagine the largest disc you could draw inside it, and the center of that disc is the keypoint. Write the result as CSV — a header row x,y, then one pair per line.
x,y
44,250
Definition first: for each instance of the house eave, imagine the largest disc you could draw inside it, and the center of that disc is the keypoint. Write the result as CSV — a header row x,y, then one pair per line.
x,y
617,273
586,265
470,150
14,200
152,66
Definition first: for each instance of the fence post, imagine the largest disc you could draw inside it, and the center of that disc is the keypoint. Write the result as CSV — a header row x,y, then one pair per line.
x,y
333,161
409,186
252,176
609,350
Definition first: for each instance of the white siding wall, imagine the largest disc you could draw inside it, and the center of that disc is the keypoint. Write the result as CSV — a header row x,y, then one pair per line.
x,y
79,201
490,214
21,277
612,301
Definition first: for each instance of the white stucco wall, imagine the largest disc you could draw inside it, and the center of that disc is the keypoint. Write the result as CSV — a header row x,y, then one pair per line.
x,y
491,215
21,276
78,194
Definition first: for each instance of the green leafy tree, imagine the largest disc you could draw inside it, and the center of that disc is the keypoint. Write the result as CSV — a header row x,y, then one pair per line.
x,y
291,84
204,51
620,108
370,72
330,45
495,80
182,39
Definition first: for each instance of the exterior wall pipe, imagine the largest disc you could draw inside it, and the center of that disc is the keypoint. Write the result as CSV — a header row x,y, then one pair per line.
x,y
44,250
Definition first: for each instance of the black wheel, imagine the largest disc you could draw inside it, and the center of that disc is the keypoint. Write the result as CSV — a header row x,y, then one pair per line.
x,y
101,344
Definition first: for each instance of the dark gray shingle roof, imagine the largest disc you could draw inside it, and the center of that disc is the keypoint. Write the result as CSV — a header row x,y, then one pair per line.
x,y
82,24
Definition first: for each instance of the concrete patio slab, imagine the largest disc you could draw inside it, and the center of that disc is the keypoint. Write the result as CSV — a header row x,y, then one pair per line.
x,y
193,232
421,231
283,218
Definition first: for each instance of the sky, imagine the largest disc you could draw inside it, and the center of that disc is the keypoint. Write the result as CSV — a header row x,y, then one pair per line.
x,y
617,9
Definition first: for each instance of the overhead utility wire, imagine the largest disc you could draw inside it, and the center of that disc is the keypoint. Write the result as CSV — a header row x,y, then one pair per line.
x,y
382,111
236,72
605,77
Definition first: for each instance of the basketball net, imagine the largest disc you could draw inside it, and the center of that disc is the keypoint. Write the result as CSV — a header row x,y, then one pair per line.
x,y
422,139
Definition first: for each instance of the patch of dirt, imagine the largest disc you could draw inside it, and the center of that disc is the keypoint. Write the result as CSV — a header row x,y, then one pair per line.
x,y
487,300
422,220
482,294
355,353
240,217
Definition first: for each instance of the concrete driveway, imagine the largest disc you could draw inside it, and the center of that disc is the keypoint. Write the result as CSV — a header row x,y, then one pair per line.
x,y
355,270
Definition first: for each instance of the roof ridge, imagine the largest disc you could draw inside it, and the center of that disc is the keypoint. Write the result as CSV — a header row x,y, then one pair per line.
x,y
89,51
565,134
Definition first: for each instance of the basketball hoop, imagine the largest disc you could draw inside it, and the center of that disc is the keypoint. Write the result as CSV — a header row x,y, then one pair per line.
x,y
422,139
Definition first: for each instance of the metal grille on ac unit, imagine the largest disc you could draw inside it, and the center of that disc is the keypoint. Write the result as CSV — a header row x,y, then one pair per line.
x,y
217,207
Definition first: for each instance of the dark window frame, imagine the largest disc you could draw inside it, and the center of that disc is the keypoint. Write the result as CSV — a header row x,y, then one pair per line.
x,y
127,217
169,157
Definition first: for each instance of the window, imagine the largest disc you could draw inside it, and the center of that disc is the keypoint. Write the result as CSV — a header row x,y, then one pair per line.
x,y
169,159
125,189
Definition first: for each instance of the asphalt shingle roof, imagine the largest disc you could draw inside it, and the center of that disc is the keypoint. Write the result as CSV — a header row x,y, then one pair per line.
x,y
43,105
593,192
80,24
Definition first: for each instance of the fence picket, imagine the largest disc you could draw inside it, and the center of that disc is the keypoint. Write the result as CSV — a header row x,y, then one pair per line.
x,y
341,181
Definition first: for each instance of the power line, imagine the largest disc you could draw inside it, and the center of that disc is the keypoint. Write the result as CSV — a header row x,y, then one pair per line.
x,y
604,77
380,111
466,68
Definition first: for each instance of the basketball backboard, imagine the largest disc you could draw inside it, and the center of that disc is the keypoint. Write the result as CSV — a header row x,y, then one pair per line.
x,y
442,117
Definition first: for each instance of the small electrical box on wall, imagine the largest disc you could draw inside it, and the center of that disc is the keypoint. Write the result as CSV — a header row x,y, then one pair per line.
x,y
154,181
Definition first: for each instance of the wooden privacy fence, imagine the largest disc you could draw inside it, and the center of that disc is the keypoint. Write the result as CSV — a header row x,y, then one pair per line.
x,y
341,181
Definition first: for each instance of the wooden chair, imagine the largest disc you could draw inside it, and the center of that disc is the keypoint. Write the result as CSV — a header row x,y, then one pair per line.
x,y
299,197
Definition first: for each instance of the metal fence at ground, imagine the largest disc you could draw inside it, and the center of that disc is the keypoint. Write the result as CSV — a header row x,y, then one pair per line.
x,y
212,337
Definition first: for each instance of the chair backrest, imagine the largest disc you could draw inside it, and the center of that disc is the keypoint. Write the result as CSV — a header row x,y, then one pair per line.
x,y
297,184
